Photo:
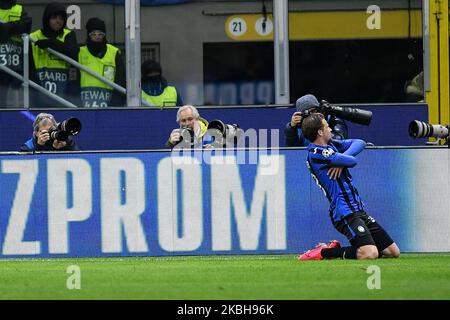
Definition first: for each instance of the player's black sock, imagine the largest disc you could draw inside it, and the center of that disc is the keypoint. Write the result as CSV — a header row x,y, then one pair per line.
x,y
344,252
332,253
350,252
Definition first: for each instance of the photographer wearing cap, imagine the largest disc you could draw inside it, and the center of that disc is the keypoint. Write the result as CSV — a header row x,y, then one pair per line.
x,y
192,129
42,141
308,103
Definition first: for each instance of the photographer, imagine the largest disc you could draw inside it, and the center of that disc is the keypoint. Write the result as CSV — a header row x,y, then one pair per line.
x,y
41,140
309,103
192,129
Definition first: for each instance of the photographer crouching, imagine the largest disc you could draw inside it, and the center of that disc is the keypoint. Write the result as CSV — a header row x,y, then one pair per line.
x,y
191,131
334,115
309,104
196,132
48,135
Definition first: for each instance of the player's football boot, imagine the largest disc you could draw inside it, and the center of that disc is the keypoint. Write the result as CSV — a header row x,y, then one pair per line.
x,y
313,254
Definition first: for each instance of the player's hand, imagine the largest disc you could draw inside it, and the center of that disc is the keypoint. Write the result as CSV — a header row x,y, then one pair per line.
x,y
175,136
59,144
335,172
42,137
296,119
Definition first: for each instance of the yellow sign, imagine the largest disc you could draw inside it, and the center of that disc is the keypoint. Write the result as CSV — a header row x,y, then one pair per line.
x,y
328,25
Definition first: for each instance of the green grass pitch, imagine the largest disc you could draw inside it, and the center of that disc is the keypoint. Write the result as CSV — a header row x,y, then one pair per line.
x,y
273,277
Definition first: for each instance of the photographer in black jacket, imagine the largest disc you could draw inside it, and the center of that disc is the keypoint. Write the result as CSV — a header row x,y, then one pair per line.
x,y
293,131
41,140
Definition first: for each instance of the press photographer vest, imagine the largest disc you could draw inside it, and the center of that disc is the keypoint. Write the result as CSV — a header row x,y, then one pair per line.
x,y
166,99
95,93
11,51
51,71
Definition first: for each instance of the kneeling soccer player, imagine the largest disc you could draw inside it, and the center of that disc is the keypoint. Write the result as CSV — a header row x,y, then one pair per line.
x,y
328,161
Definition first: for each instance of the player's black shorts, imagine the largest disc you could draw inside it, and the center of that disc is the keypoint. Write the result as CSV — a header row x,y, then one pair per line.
x,y
361,229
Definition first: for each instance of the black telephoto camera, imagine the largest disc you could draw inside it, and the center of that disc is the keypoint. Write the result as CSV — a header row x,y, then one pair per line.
x,y
64,129
355,115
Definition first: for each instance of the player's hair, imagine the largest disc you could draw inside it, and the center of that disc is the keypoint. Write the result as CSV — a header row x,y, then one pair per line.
x,y
311,125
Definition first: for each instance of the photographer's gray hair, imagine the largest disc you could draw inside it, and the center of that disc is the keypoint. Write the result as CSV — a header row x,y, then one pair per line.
x,y
43,117
194,111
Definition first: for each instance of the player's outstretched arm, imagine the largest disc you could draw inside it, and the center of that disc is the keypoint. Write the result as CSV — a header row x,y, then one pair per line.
x,y
350,147
342,160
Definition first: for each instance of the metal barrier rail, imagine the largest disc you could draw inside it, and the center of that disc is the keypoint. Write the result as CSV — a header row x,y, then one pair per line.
x,y
35,86
27,82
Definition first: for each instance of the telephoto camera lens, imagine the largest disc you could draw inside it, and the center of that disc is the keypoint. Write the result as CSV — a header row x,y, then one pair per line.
x,y
420,129
72,126
224,134
354,115
64,129
58,135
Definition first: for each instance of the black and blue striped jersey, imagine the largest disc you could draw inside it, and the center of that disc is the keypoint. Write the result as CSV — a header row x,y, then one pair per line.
x,y
342,194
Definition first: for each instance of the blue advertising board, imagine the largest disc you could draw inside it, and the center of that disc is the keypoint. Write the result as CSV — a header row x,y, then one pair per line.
x,y
200,203
145,128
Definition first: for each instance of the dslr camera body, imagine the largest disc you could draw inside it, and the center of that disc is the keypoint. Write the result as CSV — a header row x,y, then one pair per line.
x,y
187,137
64,129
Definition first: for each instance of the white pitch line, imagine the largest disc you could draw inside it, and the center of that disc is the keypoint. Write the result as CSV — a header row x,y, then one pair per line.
x,y
169,258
